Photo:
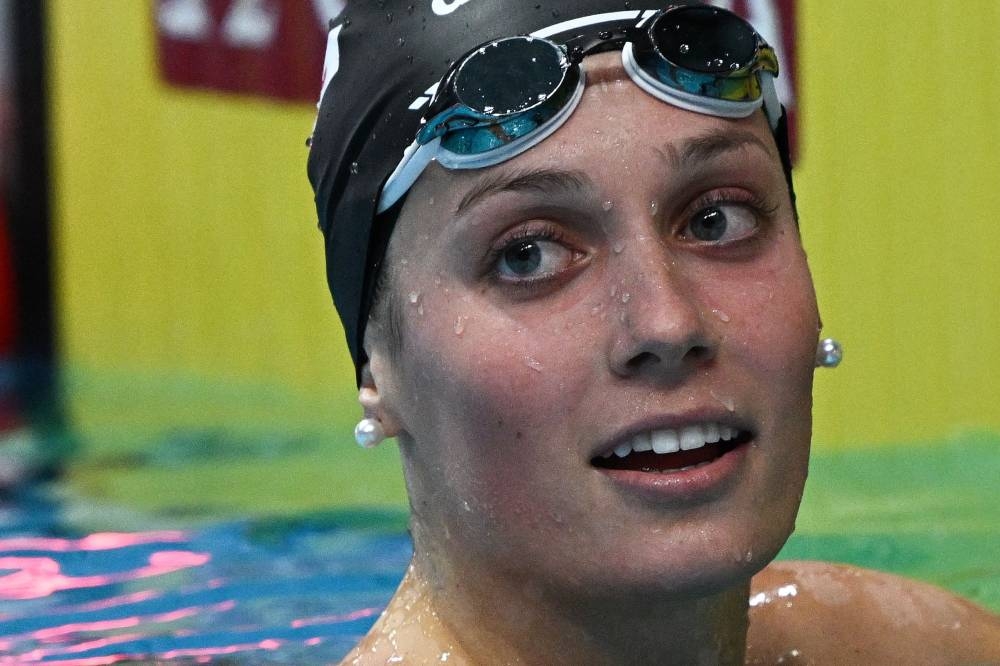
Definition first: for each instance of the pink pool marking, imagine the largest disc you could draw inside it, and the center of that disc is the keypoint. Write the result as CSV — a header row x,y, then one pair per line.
x,y
38,577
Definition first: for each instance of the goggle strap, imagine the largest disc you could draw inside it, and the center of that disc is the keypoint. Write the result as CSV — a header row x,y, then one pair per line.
x,y
416,157
772,106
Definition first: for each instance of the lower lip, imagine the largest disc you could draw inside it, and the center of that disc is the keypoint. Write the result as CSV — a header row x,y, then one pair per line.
x,y
700,483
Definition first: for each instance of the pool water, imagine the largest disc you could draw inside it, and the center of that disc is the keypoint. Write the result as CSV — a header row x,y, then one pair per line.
x,y
304,589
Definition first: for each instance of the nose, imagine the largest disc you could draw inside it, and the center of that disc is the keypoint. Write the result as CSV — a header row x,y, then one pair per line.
x,y
661,332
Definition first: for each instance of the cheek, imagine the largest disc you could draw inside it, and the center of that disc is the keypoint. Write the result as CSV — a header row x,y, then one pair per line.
x,y
481,384
770,319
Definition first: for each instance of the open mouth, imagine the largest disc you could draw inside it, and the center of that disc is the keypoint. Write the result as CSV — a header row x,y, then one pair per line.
x,y
669,450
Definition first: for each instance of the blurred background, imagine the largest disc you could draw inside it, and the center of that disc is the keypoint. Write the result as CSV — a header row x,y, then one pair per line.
x,y
168,343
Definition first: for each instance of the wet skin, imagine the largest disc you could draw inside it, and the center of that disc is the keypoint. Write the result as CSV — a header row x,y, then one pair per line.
x,y
641,268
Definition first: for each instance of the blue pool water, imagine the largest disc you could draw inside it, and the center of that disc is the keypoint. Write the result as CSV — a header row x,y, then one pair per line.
x,y
298,591
87,583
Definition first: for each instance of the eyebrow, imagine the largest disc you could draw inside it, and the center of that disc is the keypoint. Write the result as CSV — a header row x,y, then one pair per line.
x,y
709,146
541,181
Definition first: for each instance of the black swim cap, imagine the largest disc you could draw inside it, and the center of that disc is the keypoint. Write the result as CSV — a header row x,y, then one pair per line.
x,y
382,57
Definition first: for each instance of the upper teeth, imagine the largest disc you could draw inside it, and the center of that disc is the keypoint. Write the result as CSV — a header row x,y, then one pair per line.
x,y
668,440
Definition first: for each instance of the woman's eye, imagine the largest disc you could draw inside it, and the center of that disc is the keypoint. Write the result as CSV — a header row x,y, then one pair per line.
x,y
533,258
722,223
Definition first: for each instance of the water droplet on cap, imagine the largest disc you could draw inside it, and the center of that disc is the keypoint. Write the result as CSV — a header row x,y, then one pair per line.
x,y
684,48
354,168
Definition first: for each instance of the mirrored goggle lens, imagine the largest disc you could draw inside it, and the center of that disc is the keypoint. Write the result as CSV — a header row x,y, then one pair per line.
x,y
705,39
510,75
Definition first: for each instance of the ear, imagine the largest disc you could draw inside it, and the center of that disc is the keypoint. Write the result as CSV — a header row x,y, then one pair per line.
x,y
372,397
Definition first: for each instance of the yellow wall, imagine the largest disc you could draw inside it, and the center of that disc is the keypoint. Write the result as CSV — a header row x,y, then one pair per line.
x,y
191,287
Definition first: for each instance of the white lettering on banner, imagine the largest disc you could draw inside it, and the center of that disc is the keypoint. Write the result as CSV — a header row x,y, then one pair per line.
x,y
444,7
187,20
250,24
247,24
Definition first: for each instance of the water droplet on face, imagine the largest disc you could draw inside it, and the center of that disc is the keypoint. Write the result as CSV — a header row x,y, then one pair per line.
x,y
533,364
749,556
614,290
608,205
622,317
653,208
355,168
721,315
726,402
460,326
626,297
618,247
414,297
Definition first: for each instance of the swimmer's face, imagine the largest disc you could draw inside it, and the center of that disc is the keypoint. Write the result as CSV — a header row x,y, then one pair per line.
x,y
637,272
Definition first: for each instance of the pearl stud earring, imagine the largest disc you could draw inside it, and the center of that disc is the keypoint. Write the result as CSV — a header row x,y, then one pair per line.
x,y
829,353
369,433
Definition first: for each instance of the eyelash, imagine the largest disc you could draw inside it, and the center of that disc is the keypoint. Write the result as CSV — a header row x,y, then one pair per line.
x,y
762,209
533,232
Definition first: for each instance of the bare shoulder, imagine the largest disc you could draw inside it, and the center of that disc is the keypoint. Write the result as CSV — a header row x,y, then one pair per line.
x,y
815,612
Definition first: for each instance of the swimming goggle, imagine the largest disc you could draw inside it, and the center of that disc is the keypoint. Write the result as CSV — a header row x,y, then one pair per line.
x,y
505,96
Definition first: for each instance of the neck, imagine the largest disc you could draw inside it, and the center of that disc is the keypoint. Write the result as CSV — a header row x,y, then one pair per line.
x,y
482,619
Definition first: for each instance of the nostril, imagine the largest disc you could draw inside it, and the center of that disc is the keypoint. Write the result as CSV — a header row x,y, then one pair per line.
x,y
699,353
695,354
641,359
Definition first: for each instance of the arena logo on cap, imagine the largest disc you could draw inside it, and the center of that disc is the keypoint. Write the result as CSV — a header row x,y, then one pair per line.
x,y
444,7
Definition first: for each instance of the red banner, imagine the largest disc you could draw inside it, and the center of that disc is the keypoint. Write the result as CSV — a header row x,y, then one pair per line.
x,y
270,48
